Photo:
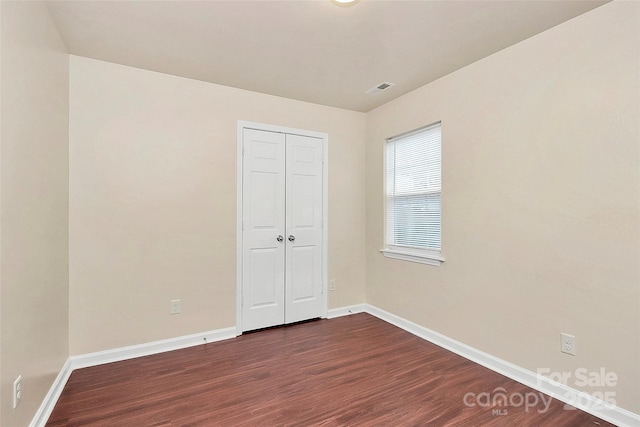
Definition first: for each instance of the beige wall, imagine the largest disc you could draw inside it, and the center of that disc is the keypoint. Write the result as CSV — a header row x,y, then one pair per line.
x,y
34,224
541,209
153,201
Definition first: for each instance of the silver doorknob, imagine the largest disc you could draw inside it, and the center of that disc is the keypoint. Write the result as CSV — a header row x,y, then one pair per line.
x,y
280,238
291,238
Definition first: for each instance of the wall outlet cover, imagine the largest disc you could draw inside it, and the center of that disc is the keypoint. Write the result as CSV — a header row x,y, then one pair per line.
x,y
568,344
17,391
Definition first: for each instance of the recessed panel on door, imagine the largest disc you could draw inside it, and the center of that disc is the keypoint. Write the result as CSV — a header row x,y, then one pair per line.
x,y
303,270
264,198
304,203
264,279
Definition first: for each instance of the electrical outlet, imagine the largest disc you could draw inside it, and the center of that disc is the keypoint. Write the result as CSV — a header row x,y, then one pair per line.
x,y
175,306
332,284
568,344
17,391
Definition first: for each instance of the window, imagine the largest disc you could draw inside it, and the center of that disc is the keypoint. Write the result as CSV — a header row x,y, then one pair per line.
x,y
413,213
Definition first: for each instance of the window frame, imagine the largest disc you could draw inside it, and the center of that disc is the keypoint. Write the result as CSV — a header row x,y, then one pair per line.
x,y
409,253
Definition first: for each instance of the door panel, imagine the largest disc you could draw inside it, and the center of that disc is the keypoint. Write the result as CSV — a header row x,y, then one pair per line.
x,y
303,279
303,193
304,259
263,216
264,280
264,201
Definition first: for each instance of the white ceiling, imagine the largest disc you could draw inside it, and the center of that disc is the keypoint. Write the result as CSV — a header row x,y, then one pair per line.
x,y
308,50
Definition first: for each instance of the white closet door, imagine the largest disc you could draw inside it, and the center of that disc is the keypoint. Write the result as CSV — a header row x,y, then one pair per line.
x,y
263,237
303,280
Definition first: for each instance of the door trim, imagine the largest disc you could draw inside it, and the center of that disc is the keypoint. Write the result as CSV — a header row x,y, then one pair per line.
x,y
243,124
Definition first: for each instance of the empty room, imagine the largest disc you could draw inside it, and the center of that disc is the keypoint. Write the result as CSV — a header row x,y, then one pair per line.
x,y
319,212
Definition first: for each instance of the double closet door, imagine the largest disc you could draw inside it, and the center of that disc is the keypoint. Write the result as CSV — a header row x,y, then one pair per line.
x,y
282,228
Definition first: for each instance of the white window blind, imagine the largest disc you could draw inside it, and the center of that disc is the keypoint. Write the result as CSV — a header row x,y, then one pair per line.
x,y
414,191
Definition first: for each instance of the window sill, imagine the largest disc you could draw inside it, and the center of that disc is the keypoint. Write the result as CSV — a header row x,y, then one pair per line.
x,y
428,259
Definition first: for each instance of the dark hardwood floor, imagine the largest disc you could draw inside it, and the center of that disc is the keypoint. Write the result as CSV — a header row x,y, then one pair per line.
x,y
355,370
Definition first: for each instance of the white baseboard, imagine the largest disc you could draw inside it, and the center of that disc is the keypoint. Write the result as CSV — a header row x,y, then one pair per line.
x,y
50,400
146,349
578,399
345,311
566,394
117,355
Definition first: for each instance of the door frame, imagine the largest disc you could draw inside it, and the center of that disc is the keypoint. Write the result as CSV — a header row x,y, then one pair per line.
x,y
242,125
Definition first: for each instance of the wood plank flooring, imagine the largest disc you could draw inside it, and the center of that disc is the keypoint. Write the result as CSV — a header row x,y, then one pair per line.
x,y
355,370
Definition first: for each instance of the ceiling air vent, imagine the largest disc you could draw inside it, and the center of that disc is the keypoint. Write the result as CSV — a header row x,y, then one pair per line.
x,y
379,88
